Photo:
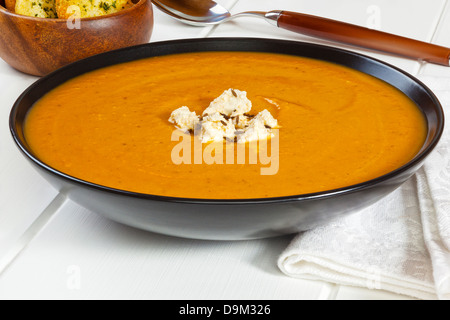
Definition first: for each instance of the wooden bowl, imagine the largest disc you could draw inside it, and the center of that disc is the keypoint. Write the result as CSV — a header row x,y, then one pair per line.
x,y
38,46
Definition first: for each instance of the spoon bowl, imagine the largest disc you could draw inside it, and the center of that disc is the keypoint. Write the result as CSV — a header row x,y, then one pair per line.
x,y
208,12
200,13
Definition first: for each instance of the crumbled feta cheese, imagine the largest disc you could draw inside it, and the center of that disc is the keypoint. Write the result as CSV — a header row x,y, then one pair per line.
x,y
215,127
184,119
231,102
258,128
241,121
227,118
267,119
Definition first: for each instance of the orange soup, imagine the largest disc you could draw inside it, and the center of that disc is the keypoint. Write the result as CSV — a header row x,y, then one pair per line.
x,y
338,126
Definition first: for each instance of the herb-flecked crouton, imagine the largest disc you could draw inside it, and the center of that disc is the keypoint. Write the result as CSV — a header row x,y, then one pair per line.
x,y
88,8
10,5
36,8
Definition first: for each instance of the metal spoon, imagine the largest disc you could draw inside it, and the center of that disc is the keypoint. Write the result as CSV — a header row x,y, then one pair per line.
x,y
208,12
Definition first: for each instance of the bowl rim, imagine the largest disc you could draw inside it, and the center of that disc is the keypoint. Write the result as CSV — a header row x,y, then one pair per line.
x,y
418,158
4,10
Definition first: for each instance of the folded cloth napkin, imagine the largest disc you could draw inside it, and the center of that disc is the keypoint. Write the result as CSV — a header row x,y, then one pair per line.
x,y
400,244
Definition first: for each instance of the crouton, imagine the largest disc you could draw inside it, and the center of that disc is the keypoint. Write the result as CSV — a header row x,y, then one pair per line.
x,y
36,8
10,5
88,8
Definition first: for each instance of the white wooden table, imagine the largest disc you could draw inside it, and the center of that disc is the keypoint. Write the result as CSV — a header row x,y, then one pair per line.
x,y
51,248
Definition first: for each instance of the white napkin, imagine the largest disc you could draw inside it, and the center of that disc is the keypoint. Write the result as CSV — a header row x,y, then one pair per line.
x,y
400,244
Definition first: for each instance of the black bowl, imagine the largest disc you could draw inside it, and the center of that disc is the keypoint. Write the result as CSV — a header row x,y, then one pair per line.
x,y
231,219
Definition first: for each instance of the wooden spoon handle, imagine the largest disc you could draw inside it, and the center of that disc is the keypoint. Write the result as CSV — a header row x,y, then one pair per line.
x,y
363,37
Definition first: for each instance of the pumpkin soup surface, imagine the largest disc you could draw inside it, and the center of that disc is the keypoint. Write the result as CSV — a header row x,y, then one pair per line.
x,y
338,126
